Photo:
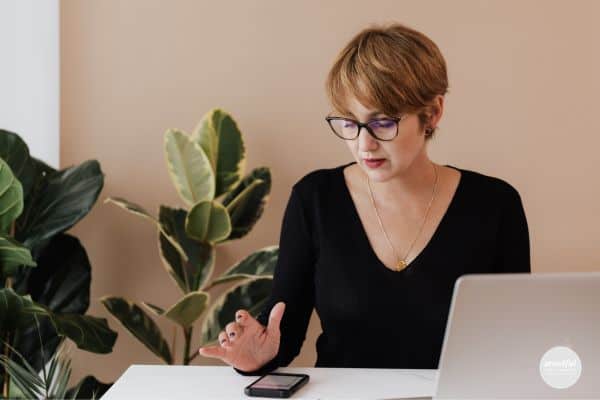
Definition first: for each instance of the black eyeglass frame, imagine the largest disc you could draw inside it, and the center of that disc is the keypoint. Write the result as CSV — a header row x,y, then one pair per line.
x,y
365,125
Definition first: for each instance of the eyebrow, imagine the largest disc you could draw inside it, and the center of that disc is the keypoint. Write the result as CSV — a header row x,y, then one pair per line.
x,y
371,115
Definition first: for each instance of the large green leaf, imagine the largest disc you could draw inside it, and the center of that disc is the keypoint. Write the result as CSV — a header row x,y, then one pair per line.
x,y
222,141
34,179
140,325
259,263
192,273
15,152
138,210
208,221
11,198
250,296
58,201
12,314
133,208
62,283
12,255
189,168
62,279
246,202
188,309
87,332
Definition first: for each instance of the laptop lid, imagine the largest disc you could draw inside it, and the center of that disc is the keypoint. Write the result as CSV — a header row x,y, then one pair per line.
x,y
527,336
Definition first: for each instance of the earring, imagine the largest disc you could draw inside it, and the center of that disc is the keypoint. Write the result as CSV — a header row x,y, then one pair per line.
x,y
429,131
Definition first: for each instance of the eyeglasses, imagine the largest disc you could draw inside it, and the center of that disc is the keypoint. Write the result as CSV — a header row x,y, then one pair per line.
x,y
384,129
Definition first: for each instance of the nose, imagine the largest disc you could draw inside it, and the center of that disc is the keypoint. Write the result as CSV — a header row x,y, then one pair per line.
x,y
366,142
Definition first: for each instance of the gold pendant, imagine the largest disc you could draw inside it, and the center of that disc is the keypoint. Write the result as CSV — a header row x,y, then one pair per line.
x,y
401,265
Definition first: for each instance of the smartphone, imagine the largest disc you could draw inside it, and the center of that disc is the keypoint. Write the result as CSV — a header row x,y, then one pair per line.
x,y
275,384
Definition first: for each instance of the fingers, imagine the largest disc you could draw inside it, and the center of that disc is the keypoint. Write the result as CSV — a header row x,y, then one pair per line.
x,y
217,351
243,321
223,339
247,322
212,352
242,317
275,318
233,331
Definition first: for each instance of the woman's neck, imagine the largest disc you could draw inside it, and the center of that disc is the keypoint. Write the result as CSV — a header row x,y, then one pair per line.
x,y
411,187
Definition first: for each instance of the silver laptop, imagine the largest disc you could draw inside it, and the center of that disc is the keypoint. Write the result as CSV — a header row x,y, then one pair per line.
x,y
522,336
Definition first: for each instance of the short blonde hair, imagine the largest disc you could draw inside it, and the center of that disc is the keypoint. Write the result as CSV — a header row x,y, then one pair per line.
x,y
393,68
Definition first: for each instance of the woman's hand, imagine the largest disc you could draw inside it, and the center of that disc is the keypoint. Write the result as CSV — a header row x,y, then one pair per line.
x,y
246,344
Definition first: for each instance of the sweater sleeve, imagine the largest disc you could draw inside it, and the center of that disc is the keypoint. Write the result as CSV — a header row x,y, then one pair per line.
x,y
293,283
513,253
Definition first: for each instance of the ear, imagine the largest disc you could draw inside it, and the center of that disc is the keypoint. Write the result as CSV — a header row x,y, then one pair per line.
x,y
437,110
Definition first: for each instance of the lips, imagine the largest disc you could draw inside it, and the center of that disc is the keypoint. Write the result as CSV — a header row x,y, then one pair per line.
x,y
373,162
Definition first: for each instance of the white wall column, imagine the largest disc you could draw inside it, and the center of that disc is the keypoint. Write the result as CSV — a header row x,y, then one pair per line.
x,y
30,74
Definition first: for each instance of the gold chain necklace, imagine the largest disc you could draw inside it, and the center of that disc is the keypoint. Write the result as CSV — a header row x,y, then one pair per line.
x,y
402,262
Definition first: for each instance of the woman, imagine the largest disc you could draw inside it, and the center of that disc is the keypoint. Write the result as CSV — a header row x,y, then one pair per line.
x,y
376,245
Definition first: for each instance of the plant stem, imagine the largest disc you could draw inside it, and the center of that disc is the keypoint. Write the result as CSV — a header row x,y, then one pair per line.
x,y
192,356
7,281
6,388
174,342
7,284
187,334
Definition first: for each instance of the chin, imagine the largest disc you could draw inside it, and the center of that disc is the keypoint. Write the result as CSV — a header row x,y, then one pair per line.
x,y
380,174
383,173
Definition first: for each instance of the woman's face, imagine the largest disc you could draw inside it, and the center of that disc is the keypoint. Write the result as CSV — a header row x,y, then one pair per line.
x,y
398,154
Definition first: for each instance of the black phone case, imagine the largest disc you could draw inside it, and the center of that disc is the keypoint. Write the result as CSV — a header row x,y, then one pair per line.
x,y
280,393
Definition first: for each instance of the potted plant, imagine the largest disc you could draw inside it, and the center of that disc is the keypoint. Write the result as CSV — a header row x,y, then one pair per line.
x,y
45,273
222,204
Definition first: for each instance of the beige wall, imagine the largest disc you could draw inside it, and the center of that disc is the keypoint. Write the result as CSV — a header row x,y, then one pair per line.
x,y
523,106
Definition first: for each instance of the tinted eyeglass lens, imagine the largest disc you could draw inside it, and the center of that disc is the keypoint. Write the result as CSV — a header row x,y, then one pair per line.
x,y
344,128
384,129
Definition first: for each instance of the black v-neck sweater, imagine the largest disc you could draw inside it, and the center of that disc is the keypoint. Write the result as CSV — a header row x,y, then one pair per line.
x,y
371,316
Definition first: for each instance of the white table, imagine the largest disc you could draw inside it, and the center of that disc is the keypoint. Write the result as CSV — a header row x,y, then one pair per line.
x,y
208,382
